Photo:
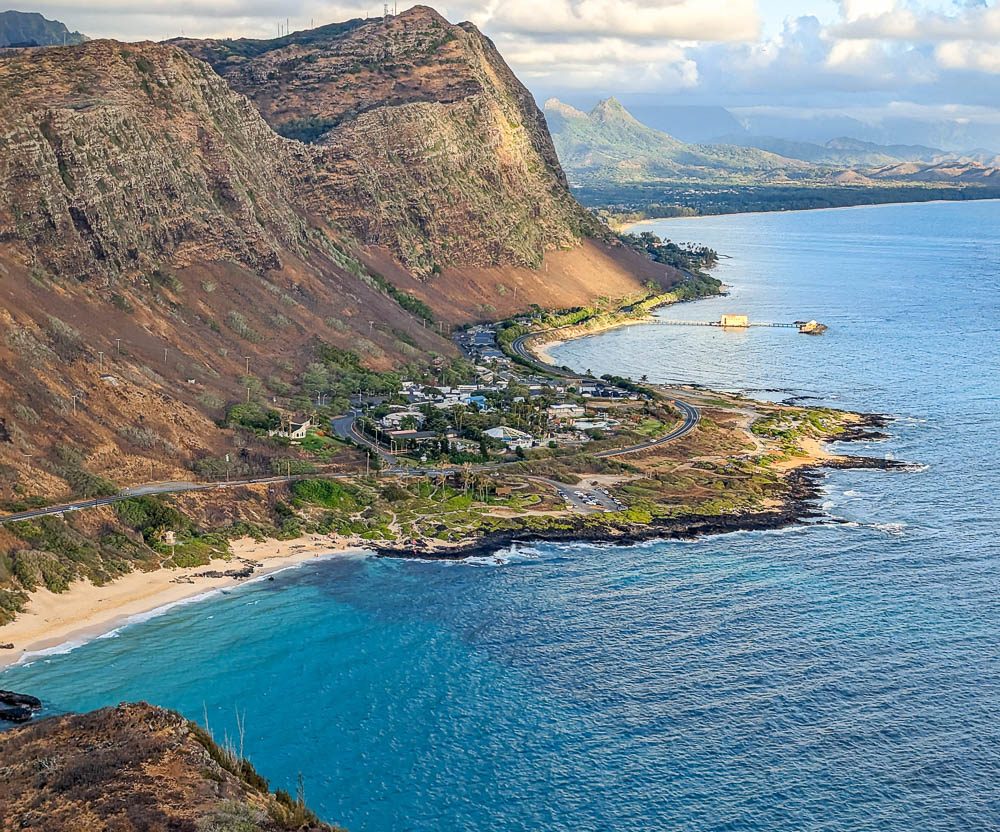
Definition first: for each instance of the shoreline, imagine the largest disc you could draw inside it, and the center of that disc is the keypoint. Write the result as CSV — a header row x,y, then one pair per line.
x,y
546,340
53,621
801,503
61,622
629,226
541,349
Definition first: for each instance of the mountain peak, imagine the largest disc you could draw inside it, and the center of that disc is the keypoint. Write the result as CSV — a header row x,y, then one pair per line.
x,y
554,105
611,109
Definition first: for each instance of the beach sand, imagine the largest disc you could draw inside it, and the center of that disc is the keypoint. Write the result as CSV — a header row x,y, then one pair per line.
x,y
86,611
542,349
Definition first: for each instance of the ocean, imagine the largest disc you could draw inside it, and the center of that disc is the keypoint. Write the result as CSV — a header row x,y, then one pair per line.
x,y
837,676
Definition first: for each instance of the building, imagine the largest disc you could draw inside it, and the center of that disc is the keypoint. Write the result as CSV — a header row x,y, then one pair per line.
x,y
511,437
735,321
593,424
396,419
564,412
478,400
416,438
291,430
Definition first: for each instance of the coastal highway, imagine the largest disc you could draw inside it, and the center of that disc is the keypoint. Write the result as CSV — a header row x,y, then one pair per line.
x,y
519,346
691,415
148,489
345,428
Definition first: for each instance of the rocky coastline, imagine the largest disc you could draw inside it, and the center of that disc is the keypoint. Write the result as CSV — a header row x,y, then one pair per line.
x,y
800,504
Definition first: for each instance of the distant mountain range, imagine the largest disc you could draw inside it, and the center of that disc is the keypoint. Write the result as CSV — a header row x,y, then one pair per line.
x,y
714,124
847,151
24,29
609,145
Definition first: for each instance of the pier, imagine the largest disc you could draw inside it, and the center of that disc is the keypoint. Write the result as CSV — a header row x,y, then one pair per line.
x,y
743,322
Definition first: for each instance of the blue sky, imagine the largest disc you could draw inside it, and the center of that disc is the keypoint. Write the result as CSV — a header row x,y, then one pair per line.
x,y
881,62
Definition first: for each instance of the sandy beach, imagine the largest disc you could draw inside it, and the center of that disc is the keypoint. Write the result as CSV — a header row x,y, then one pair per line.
x,y
542,348
86,611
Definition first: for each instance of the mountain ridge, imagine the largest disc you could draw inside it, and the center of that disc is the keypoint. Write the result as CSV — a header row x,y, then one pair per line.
x,y
21,30
609,145
397,103
166,255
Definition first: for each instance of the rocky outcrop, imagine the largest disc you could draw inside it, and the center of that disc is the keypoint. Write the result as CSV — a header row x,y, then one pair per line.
x,y
134,768
430,145
18,707
115,158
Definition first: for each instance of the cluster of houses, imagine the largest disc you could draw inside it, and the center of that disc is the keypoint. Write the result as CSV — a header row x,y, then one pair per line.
x,y
567,422
563,411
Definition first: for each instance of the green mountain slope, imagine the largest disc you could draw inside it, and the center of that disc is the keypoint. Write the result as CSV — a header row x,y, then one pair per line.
x,y
31,29
609,144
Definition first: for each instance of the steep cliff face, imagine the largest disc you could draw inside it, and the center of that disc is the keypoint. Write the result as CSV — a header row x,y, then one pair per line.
x,y
134,768
154,245
114,157
165,254
430,145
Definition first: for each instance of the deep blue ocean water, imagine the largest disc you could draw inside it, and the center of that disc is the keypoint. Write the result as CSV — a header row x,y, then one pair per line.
x,y
831,677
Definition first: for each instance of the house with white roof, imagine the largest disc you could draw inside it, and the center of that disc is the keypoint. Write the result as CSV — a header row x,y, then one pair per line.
x,y
511,437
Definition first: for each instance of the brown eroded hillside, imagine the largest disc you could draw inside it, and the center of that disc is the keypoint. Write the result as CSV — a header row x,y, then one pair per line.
x,y
153,246
115,156
165,254
429,144
134,768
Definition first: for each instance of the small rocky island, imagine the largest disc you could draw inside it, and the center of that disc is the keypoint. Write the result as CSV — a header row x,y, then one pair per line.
x,y
18,707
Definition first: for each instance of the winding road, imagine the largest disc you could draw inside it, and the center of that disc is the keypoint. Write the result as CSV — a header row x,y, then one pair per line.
x,y
345,428
691,415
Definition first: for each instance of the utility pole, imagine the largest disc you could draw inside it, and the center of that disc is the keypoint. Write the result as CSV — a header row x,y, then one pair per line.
x,y
164,355
247,357
100,359
371,327
75,397
118,345
248,395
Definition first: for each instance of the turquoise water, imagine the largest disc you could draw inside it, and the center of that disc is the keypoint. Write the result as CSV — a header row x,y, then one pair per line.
x,y
833,677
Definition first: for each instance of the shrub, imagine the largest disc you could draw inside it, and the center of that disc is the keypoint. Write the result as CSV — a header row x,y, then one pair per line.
x,y
239,324
65,339
327,493
251,415
166,280
232,816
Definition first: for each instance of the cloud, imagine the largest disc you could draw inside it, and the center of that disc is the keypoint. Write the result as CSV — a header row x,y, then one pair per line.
x,y
602,63
690,20
893,21
857,55
969,55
